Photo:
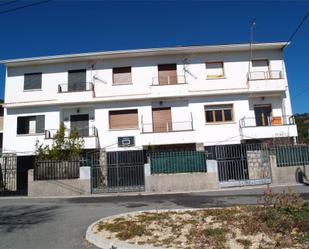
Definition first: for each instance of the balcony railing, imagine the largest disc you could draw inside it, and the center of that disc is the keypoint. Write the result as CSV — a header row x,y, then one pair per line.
x,y
265,75
167,127
168,80
76,87
81,132
266,121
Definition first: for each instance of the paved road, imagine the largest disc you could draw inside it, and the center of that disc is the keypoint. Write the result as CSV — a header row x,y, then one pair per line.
x,y
61,223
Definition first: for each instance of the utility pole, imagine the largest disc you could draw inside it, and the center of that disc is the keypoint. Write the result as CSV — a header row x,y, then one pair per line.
x,y
252,28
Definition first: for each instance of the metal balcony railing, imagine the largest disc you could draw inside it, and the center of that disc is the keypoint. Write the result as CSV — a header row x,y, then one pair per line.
x,y
265,75
82,132
246,122
76,87
168,80
167,127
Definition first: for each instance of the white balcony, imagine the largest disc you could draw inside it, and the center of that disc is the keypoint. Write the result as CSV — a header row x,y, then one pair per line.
x,y
76,92
168,80
272,127
88,134
266,81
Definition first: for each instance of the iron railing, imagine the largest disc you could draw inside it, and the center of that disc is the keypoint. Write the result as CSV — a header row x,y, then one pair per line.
x,y
266,121
265,75
167,127
168,80
76,87
291,155
56,169
91,131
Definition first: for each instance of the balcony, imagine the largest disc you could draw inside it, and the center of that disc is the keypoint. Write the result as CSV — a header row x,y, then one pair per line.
x,y
76,92
89,135
266,81
168,80
268,127
167,127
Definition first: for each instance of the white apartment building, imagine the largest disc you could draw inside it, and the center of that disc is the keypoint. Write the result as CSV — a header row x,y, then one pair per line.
x,y
161,98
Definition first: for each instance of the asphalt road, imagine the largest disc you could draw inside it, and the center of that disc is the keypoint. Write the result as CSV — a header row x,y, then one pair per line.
x,y
62,222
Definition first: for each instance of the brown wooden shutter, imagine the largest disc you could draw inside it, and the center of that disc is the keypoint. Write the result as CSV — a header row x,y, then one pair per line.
x,y
167,74
162,120
122,75
123,119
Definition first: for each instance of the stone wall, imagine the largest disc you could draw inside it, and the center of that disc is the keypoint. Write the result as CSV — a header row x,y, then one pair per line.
x,y
258,164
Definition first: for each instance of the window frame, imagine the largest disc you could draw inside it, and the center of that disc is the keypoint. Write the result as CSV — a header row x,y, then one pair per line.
x,y
122,128
123,83
222,108
33,89
215,76
26,120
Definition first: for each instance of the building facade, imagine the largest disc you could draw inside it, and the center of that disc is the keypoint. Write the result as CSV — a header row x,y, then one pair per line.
x,y
161,99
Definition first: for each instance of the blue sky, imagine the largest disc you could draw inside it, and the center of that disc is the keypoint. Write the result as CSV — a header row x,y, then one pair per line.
x,y
59,27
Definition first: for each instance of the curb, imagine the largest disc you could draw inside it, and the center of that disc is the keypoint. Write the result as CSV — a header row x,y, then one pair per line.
x,y
126,194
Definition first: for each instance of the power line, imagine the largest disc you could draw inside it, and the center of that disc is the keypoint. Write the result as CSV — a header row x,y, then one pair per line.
x,y
298,27
23,7
7,3
300,93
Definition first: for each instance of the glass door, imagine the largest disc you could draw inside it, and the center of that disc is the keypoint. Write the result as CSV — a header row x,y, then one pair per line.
x,y
263,115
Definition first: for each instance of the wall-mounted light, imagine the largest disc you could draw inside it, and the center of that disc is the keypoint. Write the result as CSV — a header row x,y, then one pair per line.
x,y
77,110
262,98
161,103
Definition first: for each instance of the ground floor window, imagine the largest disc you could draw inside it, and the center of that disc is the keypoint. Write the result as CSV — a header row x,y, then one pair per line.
x,y
31,124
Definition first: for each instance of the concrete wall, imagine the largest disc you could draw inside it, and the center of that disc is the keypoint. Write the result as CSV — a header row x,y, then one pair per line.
x,y
182,181
284,175
70,187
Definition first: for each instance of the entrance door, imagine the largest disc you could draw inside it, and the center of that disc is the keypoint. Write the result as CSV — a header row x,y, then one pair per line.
x,y
263,114
162,120
81,124
77,80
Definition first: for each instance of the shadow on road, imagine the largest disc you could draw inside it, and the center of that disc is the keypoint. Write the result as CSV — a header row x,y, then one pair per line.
x,y
20,217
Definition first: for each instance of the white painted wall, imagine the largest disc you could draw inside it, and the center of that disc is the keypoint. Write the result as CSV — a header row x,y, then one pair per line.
x,y
188,103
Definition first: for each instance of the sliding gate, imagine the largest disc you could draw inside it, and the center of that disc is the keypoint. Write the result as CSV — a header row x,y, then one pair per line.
x,y
117,171
243,164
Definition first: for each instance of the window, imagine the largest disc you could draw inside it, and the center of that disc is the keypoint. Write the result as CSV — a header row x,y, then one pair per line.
x,y
31,124
219,113
77,80
122,75
167,74
123,119
32,81
214,70
260,65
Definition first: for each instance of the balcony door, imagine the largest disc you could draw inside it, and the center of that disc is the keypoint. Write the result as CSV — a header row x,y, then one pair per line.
x,y
162,119
263,115
77,80
167,74
80,122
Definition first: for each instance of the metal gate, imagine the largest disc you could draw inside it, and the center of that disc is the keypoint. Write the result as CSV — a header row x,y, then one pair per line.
x,y
13,176
243,164
117,171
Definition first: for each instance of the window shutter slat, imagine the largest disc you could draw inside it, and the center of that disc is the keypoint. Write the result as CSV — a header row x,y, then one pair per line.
x,y
123,119
122,75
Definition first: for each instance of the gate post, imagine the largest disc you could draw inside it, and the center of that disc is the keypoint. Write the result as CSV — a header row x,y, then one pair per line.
x,y
103,165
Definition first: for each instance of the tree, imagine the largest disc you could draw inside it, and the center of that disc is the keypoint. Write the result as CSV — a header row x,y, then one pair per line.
x,y
63,148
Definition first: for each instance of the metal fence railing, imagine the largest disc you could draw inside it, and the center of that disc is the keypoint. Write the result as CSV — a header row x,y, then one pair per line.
x,y
291,155
75,87
178,162
56,170
167,127
168,80
266,121
90,131
265,75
